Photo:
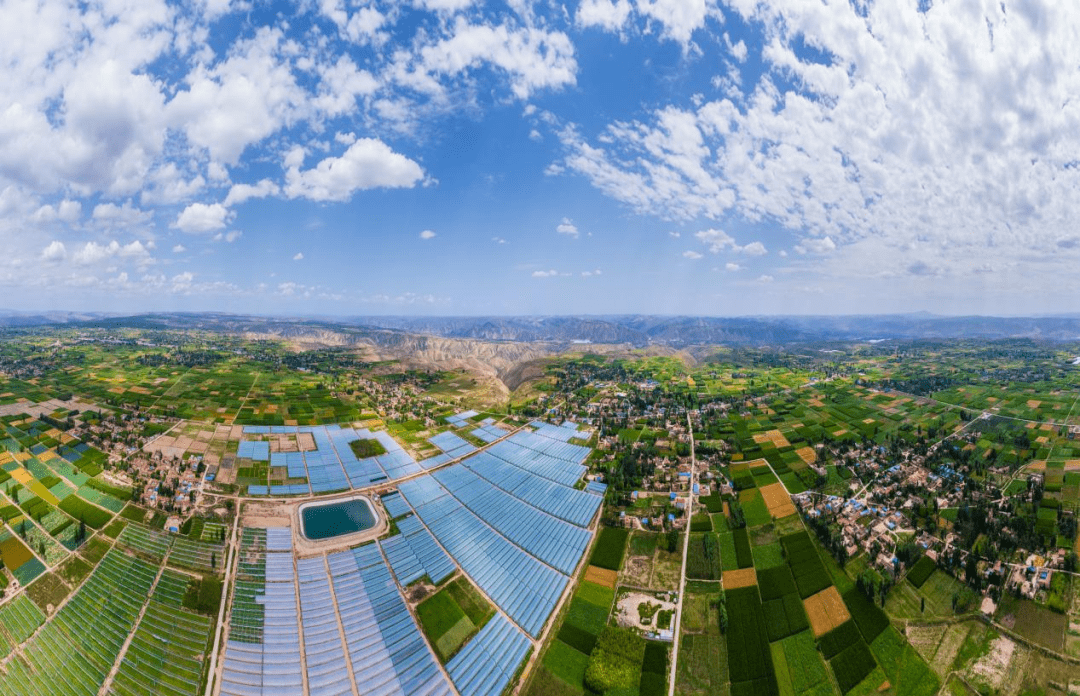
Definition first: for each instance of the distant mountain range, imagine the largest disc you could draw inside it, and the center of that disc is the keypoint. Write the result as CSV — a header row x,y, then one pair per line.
x,y
632,330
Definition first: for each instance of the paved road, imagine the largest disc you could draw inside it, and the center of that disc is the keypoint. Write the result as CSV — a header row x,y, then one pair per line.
x,y
682,574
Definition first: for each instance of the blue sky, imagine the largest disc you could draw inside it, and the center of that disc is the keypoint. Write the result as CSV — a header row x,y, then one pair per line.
x,y
343,157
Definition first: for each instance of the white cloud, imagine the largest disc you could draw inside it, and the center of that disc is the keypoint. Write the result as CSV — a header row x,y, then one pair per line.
x,y
93,253
240,193
732,266
567,227
427,234
179,249
444,5
299,256
199,218
545,274
110,215
499,240
715,240
901,134
534,59
240,101
679,18
689,254
753,249
675,234
54,252
367,164
812,245
228,237
66,211
605,14
591,274
765,279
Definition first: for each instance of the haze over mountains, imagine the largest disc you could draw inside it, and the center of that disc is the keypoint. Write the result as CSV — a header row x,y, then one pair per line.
x,y
633,330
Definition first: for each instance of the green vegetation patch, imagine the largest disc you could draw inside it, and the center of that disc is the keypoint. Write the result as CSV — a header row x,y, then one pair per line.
x,y
204,595
869,617
478,609
643,543
48,591
586,615
810,574
108,489
654,669
749,657
566,663
578,639
839,639
610,548
366,448
852,665
615,662
805,668
442,618
784,616
701,522
596,594
703,557
774,583
83,511
908,673
921,571
743,556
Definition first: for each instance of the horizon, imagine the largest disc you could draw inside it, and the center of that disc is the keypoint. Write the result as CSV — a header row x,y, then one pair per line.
x,y
447,158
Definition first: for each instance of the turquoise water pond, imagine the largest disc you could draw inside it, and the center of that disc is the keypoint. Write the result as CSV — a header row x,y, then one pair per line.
x,y
328,520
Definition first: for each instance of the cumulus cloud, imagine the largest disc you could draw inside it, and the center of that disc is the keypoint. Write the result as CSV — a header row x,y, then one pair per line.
x,y
427,234
718,240
691,254
903,132
92,252
533,58
568,228
54,252
816,246
228,237
239,193
200,218
732,266
367,164
605,14
299,256
499,240
179,249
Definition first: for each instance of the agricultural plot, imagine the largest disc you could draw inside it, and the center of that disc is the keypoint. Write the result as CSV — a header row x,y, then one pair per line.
x,y
906,670
167,652
452,616
920,572
75,650
567,655
905,601
749,657
799,668
19,618
703,557
806,566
